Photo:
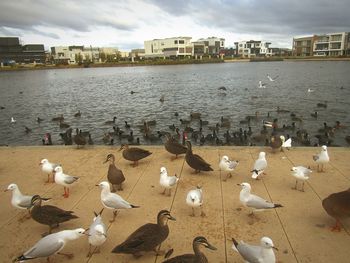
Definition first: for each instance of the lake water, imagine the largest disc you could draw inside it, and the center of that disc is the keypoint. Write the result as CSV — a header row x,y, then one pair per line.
x,y
101,93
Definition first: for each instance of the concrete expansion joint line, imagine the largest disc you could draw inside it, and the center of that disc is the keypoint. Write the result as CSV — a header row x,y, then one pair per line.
x,y
279,219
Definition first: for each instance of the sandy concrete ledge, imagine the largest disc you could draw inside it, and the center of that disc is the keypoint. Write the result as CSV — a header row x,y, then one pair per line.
x,y
300,229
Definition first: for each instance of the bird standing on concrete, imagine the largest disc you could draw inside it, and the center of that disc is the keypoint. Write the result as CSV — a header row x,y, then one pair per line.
x,y
226,165
321,158
259,166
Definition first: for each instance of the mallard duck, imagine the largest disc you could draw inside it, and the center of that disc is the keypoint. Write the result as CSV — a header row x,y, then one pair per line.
x,y
174,147
134,154
197,257
337,205
195,161
59,118
114,175
147,237
78,114
64,125
48,214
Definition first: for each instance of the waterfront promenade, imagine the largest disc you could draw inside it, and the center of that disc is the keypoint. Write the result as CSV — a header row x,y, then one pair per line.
x,y
300,229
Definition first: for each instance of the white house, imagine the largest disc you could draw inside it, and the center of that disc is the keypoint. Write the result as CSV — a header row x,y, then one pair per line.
x,y
253,48
332,44
168,47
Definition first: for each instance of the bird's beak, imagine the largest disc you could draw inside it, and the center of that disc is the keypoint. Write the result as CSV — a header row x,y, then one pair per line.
x,y
211,247
275,248
105,235
171,218
97,185
239,184
6,190
86,232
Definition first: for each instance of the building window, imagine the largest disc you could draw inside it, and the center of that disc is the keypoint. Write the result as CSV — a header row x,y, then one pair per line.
x,y
240,45
162,44
181,41
175,41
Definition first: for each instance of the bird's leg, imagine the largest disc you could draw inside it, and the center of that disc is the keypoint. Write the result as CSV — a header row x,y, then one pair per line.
x,y
67,191
192,212
158,252
68,255
164,191
296,184
169,193
48,179
336,227
322,168
28,215
120,187
115,212
48,259
202,213
113,189
89,254
230,175
302,188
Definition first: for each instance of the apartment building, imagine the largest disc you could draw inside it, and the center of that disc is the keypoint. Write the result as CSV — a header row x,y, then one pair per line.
x,y
211,45
331,44
169,47
253,48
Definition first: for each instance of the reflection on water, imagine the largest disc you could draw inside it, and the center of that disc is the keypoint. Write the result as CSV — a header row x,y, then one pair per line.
x,y
101,93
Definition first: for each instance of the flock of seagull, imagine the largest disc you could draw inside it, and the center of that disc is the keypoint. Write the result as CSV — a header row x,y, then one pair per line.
x,y
149,236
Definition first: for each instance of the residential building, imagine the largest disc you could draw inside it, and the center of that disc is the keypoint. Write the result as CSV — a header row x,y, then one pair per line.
x,y
169,47
138,53
212,45
281,52
331,44
12,50
253,48
303,46
75,54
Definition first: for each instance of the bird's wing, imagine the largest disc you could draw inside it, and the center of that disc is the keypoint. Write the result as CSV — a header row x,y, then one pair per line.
x,y
232,164
45,247
260,164
250,253
70,179
115,201
172,180
25,201
315,157
287,143
258,203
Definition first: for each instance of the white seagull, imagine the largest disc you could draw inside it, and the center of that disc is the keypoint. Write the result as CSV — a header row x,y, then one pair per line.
x,y
271,79
228,166
300,173
97,233
194,199
253,201
52,244
310,90
112,200
256,254
13,120
64,179
321,158
286,143
168,182
48,168
259,166
262,85
19,200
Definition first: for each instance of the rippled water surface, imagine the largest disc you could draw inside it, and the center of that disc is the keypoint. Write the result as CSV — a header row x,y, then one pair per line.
x,y
101,93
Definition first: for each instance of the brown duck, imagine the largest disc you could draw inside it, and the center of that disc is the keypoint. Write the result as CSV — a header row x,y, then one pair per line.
x,y
173,146
114,175
146,238
337,205
79,138
48,214
134,154
197,257
276,143
195,161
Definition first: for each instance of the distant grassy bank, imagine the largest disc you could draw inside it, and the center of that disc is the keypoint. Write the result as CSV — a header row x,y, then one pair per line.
x,y
161,62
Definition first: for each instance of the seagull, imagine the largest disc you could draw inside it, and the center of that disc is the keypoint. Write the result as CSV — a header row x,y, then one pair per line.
x,y
13,120
52,244
261,85
310,90
195,199
19,200
258,254
271,79
253,201
321,158
64,179
227,165
166,181
259,166
48,168
112,200
286,143
300,173
97,233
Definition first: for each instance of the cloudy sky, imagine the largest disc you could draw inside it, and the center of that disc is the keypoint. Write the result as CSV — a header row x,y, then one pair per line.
x,y
127,23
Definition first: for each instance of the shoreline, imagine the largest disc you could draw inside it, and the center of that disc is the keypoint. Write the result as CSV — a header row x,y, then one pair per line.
x,y
166,63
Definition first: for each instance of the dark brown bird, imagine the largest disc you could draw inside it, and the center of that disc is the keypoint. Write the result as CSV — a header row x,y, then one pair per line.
x,y
146,238
337,205
134,154
173,146
79,139
114,175
276,143
48,214
78,114
195,161
197,257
